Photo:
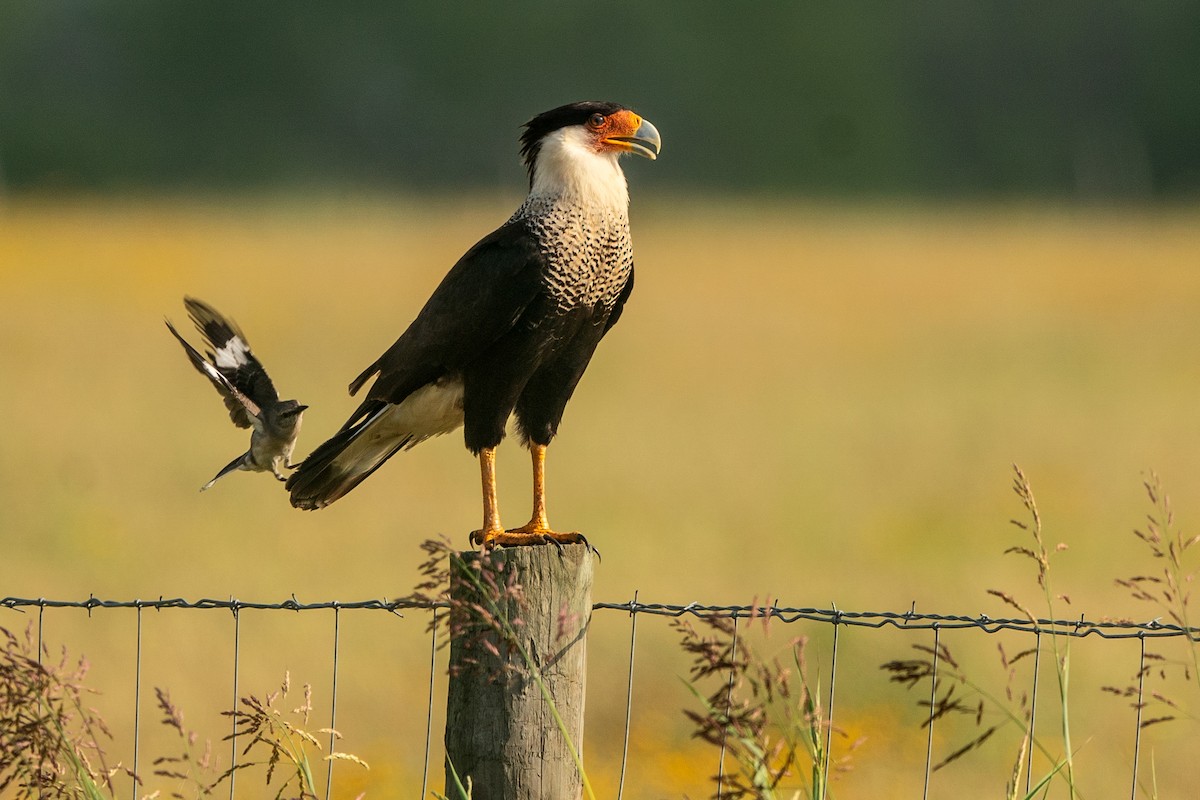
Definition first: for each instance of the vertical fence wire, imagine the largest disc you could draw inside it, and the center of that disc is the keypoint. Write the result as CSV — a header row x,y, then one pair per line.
x,y
1137,729
628,693
41,612
237,638
1037,670
829,718
728,709
429,708
932,705
337,611
137,698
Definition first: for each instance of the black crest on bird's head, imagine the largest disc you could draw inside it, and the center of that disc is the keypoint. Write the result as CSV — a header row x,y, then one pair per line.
x,y
561,117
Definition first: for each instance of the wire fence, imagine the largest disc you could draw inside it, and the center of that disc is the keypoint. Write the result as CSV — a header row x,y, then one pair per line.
x,y
837,619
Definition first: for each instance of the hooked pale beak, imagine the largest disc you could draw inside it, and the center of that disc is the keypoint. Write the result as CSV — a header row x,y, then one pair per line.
x,y
645,141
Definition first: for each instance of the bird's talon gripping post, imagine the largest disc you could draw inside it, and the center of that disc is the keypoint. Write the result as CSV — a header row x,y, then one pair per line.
x,y
518,537
583,540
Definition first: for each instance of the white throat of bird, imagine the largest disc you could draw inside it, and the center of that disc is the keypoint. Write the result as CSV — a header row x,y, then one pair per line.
x,y
569,167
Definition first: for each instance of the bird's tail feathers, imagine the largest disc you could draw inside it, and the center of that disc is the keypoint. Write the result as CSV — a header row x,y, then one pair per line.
x,y
232,466
344,461
375,433
365,376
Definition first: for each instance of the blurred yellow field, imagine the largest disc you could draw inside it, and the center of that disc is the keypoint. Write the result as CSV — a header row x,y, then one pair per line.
x,y
819,404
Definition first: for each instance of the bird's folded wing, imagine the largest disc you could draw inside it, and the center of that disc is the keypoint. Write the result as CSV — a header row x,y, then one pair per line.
x,y
480,299
619,306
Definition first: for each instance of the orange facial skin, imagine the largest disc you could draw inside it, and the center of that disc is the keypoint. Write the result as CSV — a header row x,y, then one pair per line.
x,y
626,132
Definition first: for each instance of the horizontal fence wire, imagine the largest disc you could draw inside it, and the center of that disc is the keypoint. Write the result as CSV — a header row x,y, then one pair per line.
x,y
232,604
908,620
1080,628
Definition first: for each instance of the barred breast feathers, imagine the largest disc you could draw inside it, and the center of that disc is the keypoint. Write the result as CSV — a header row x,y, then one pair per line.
x,y
589,252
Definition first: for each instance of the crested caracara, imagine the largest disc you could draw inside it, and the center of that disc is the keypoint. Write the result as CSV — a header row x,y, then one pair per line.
x,y
513,325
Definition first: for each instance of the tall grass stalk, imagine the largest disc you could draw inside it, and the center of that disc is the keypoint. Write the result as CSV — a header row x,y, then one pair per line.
x,y
278,741
1060,649
464,792
46,731
913,671
1169,588
765,714
951,674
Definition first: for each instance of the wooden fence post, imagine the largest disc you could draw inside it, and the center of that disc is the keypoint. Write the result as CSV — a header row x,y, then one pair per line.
x,y
500,728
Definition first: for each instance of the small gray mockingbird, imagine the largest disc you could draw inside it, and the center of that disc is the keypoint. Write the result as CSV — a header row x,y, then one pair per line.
x,y
248,392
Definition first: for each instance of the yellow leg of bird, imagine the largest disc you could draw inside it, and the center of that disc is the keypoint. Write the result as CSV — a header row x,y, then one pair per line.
x,y
538,521
492,528
538,530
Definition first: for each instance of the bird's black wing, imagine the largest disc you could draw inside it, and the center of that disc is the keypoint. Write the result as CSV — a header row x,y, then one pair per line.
x,y
480,299
231,355
244,411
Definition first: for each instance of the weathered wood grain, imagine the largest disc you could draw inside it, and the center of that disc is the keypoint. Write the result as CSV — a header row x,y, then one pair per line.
x,y
500,729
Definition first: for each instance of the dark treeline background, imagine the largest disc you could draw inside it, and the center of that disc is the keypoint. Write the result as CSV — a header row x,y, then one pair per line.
x,y
933,98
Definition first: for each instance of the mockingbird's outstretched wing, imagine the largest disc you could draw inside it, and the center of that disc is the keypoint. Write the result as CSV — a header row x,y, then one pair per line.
x,y
244,412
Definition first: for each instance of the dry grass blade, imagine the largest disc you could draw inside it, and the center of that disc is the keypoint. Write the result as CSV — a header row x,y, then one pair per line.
x,y
49,739
482,619
1167,589
958,694
762,711
187,767
1014,781
974,744
280,744
1009,600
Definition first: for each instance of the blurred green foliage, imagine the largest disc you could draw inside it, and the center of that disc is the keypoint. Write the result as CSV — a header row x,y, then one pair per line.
x,y
837,97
